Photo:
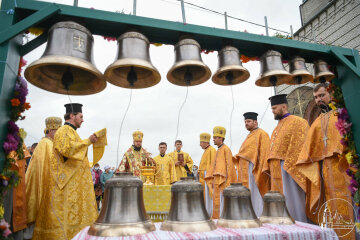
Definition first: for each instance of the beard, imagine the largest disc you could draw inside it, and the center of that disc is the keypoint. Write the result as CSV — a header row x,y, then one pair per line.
x,y
279,115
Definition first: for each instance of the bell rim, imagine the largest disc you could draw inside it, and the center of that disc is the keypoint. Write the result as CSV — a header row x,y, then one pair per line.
x,y
285,77
219,81
174,81
277,220
231,223
135,62
307,77
128,230
180,226
64,61
328,77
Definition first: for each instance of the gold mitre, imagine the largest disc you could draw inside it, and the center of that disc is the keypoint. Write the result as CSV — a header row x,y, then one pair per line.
x,y
219,131
205,137
53,123
138,136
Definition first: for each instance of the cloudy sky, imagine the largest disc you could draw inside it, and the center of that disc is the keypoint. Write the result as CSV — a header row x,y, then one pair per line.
x,y
154,111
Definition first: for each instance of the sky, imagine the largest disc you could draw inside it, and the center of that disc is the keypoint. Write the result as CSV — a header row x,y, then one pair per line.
x,y
154,110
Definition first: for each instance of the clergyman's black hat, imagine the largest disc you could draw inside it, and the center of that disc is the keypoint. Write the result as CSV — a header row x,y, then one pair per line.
x,y
278,99
250,115
73,108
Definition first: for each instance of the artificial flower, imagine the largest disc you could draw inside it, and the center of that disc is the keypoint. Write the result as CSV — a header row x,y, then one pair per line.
x,y
15,102
22,133
109,39
343,114
246,59
1,211
349,157
27,106
5,227
157,44
332,106
36,31
343,127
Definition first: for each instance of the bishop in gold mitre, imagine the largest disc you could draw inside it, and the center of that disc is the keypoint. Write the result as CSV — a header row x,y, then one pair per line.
x,y
182,160
221,172
286,143
38,172
165,173
68,199
250,160
319,161
135,157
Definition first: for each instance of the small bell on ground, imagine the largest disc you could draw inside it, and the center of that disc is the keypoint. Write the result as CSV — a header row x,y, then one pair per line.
x,y
67,65
238,211
188,69
187,210
132,67
272,71
321,72
275,210
230,70
123,211
300,74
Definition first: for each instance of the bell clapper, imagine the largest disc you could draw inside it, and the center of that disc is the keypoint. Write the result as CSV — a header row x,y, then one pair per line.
x,y
322,80
298,79
67,78
229,77
273,80
132,76
188,77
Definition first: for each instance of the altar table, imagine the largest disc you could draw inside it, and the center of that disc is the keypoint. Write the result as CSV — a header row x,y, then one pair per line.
x,y
297,231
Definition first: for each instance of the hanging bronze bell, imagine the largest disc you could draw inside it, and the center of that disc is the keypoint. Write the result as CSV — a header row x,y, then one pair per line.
x,y
132,67
238,211
272,71
67,65
187,210
188,69
123,211
322,73
275,210
300,74
230,70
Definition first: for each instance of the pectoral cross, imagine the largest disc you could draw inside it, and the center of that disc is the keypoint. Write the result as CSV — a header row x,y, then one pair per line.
x,y
325,138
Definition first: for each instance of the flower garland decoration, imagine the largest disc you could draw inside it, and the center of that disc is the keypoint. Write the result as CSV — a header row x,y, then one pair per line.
x,y
13,143
343,125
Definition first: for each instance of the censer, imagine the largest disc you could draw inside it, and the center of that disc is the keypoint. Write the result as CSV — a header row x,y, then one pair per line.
x,y
123,211
187,210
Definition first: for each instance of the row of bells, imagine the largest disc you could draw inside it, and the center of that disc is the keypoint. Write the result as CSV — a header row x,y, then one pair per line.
x,y
123,212
67,65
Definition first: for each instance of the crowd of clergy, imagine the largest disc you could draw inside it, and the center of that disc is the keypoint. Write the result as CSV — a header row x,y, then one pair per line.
x,y
300,161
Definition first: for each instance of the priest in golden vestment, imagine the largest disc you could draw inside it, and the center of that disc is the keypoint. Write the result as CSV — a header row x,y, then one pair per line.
x,y
182,160
165,173
135,157
205,162
286,143
250,161
38,172
319,161
221,172
68,199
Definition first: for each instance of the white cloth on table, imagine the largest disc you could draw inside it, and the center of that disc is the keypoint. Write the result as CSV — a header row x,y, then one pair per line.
x,y
294,196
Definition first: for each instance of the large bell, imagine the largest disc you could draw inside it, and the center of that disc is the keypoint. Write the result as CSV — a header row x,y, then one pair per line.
x,y
230,71
67,65
238,211
187,210
300,74
275,210
188,69
123,211
272,71
132,67
322,73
